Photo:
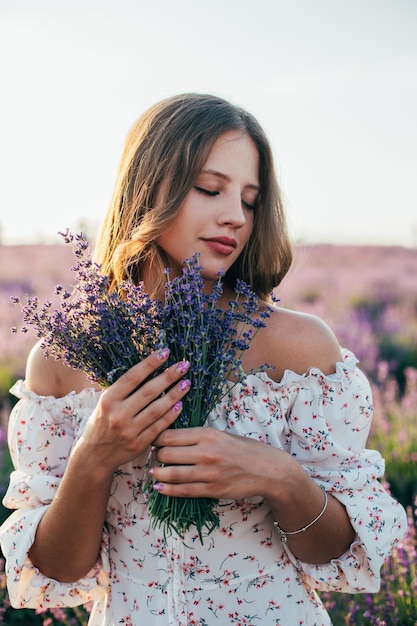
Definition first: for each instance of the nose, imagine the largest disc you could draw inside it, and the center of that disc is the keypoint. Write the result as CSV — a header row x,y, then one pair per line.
x,y
232,211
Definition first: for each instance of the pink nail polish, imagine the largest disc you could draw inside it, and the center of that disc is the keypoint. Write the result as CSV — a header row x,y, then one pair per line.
x,y
183,367
158,487
184,384
151,471
177,407
163,354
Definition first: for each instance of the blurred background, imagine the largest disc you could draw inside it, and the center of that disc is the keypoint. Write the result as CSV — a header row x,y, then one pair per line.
x,y
334,83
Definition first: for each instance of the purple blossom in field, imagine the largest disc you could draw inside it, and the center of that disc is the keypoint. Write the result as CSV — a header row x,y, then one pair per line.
x,y
356,331
76,616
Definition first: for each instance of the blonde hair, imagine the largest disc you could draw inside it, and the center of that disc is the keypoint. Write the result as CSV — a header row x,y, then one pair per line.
x,y
164,152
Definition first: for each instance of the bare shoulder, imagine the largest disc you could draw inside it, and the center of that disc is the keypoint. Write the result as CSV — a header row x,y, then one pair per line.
x,y
47,377
297,341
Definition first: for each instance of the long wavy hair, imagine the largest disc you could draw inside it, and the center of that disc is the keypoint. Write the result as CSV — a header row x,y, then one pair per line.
x,y
164,152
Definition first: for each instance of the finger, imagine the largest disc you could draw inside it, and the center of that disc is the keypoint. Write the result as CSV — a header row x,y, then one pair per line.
x,y
185,490
161,392
183,455
160,384
162,407
180,437
136,375
178,474
155,426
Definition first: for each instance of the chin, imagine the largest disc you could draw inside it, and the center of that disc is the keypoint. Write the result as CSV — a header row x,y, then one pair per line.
x,y
212,272
210,276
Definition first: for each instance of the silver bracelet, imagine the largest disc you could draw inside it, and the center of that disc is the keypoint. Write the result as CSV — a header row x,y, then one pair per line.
x,y
284,533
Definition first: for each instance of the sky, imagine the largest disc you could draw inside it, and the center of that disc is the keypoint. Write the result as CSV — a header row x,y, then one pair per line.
x,y
333,82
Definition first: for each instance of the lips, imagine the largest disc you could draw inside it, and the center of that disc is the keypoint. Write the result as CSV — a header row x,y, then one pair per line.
x,y
221,245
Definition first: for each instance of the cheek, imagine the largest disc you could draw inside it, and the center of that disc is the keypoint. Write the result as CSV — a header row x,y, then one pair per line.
x,y
247,231
170,235
249,225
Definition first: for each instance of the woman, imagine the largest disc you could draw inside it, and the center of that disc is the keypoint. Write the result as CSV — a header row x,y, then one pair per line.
x,y
301,508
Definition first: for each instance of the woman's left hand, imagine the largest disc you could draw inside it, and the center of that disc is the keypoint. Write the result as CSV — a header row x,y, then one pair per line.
x,y
205,462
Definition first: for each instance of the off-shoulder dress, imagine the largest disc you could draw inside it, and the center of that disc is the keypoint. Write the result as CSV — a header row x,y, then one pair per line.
x,y
242,574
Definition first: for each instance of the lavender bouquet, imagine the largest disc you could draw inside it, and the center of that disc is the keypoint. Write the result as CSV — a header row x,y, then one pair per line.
x,y
104,334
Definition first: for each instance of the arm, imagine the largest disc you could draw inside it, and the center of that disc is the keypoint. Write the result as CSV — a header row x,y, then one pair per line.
x,y
217,466
297,499
124,424
325,415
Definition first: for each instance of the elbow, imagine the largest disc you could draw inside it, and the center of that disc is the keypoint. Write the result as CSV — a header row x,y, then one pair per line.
x,y
59,568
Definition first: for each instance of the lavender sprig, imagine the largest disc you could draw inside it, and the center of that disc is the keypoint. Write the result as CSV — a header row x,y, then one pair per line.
x,y
105,334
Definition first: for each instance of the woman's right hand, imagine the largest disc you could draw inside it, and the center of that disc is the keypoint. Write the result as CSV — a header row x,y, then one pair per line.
x,y
134,411
128,418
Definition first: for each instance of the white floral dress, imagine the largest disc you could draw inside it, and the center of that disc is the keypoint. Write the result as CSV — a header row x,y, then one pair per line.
x,y
242,574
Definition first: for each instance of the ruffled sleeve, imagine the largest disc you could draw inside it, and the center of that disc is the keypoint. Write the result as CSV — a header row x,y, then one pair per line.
x,y
42,432
329,419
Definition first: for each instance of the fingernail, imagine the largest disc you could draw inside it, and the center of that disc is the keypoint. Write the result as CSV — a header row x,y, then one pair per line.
x,y
183,367
163,354
158,487
184,384
151,471
177,407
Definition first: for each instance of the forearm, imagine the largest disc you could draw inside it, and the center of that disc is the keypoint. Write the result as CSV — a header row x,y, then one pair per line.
x,y
203,462
129,416
295,503
68,538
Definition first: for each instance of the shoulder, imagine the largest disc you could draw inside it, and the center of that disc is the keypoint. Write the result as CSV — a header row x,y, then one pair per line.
x,y
47,377
298,341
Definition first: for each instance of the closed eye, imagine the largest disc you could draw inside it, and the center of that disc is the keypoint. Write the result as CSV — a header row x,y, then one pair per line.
x,y
206,192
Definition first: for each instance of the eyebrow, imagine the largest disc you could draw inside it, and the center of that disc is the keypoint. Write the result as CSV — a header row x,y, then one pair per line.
x,y
227,178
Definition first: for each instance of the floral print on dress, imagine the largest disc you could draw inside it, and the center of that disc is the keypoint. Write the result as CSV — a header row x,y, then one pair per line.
x,y
242,574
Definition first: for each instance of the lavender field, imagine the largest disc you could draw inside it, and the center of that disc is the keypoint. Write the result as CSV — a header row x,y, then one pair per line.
x,y
368,295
